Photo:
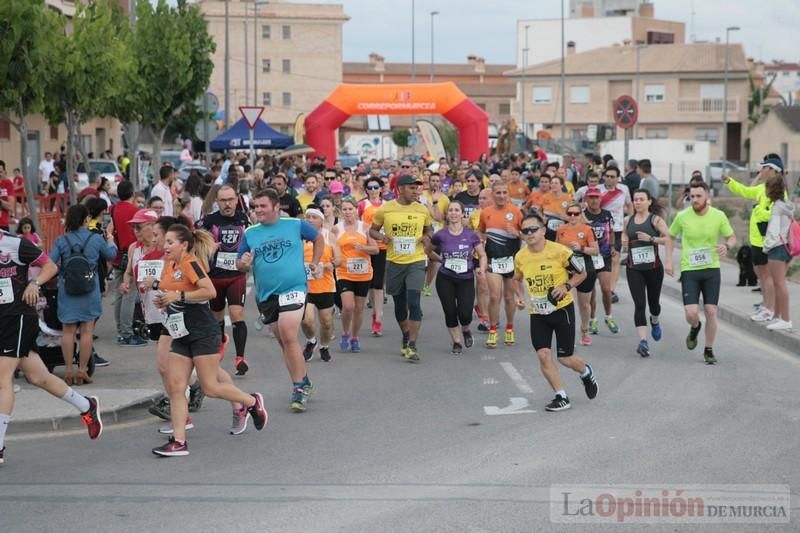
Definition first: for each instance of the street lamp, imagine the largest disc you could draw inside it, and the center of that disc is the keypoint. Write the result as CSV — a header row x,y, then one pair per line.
x,y
433,14
563,86
728,31
636,90
525,52
413,62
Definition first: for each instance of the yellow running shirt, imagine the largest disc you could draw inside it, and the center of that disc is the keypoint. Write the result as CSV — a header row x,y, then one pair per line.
x,y
541,272
405,224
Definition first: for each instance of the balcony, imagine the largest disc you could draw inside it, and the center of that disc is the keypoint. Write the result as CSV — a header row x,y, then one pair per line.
x,y
707,105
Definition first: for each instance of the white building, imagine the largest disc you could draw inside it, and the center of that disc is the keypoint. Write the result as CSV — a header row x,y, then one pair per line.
x,y
787,80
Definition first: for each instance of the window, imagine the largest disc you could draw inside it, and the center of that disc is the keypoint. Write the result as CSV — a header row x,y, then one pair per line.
x,y
656,133
287,66
287,33
504,109
266,65
266,31
482,106
654,93
542,95
579,94
287,99
283,128
712,91
266,99
5,130
53,133
707,134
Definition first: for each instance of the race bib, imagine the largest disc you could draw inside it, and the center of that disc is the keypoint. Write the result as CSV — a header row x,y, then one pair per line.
x,y
291,298
6,291
404,245
176,326
541,305
226,260
643,255
598,262
357,265
503,265
309,274
456,264
699,257
580,261
150,269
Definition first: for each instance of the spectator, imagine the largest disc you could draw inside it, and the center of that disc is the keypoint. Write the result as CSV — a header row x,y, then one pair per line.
x,y
648,181
683,201
778,228
289,204
19,185
46,166
163,190
104,190
6,199
156,204
91,190
27,230
79,312
193,201
97,208
121,215
632,178
138,200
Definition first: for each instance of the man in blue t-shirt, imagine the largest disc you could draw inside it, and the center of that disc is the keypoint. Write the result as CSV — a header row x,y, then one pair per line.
x,y
273,249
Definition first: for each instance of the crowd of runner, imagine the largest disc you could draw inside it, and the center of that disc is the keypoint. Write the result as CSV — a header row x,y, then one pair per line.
x,y
325,244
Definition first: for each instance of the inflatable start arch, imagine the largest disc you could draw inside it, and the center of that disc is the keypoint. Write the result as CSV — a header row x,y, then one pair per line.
x,y
444,99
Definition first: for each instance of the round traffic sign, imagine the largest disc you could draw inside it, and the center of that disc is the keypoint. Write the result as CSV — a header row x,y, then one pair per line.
x,y
626,112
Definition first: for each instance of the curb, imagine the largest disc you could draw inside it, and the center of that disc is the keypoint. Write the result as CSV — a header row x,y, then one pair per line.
x,y
125,413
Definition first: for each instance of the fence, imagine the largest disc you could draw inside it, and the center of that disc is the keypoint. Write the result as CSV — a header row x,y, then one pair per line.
x,y
51,215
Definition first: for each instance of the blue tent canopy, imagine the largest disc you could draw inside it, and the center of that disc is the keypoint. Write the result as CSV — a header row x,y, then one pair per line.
x,y
237,137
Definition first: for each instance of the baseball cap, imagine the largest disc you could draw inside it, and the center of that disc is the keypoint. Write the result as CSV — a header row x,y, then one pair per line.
x,y
144,216
593,191
774,163
408,180
336,187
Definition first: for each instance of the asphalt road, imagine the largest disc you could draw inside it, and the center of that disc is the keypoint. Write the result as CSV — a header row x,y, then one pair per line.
x,y
451,444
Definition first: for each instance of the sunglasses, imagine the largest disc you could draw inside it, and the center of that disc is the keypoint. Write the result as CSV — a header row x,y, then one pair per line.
x,y
373,188
329,179
530,230
405,166
573,213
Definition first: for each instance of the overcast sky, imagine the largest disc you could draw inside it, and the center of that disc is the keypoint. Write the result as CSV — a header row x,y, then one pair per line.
x,y
770,28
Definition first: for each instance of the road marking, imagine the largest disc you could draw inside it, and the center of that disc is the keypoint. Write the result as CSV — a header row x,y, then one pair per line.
x,y
490,381
516,377
488,358
517,406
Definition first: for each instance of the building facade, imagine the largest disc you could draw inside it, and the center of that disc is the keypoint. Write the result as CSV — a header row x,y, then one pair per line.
x,y
787,80
680,93
285,56
779,132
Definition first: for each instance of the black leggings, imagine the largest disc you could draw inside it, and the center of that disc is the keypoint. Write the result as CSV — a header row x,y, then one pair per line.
x,y
457,297
649,282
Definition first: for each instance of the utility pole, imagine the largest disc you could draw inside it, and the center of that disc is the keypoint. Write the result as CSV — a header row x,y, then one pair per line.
x,y
246,62
563,77
728,31
433,14
524,93
227,69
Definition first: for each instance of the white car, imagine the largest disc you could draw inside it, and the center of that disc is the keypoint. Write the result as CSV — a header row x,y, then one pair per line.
x,y
107,168
731,168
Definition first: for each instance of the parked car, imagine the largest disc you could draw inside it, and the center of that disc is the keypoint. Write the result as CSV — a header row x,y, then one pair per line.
x,y
107,168
188,166
731,168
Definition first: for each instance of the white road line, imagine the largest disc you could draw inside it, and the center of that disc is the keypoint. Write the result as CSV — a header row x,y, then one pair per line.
x,y
516,377
490,381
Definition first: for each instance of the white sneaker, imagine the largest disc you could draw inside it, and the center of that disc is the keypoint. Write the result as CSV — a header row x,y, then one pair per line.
x,y
17,388
780,325
765,315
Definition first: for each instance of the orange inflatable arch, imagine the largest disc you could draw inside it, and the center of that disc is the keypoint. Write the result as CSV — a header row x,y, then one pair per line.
x,y
444,99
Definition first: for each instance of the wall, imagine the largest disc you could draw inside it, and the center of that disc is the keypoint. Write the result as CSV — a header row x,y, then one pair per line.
x,y
544,36
768,136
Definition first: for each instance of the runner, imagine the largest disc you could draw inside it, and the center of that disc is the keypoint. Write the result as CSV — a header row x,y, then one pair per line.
x,y
353,272
485,199
500,224
227,227
549,271
536,198
469,197
436,201
366,209
700,229
406,224
601,222
321,291
18,330
617,201
454,247
184,293
644,231
274,250
579,237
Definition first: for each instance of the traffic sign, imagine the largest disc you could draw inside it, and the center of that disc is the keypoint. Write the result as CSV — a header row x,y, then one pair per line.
x,y
626,112
251,114
208,103
204,129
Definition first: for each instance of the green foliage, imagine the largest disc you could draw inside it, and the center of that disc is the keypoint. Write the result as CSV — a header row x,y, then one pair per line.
x,y
400,138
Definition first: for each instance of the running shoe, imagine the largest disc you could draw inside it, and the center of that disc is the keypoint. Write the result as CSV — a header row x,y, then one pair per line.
x,y
223,345
612,325
241,365
169,430
468,339
585,339
426,290
3,455
457,348
643,349
404,349
308,388
258,413
509,338
196,397
655,330
491,340
593,329
325,353
240,419
299,400
91,418
708,356
589,383
559,403
160,408
99,362
308,351
483,326
121,340
691,338
133,341
344,344
412,355
780,325
764,315
614,298
258,324
355,345
172,448
377,329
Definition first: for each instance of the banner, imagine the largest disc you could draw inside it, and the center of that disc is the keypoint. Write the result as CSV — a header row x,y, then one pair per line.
x,y
300,128
432,139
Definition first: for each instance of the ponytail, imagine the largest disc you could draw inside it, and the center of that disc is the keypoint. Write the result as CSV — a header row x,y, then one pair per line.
x,y
204,247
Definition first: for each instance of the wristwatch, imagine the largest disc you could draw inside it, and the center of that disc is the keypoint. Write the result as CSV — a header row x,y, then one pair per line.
x,y
568,286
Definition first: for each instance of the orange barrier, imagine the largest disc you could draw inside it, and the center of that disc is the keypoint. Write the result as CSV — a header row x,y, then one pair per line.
x,y
52,228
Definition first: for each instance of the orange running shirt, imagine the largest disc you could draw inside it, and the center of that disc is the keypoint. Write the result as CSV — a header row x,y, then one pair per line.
x,y
326,283
356,265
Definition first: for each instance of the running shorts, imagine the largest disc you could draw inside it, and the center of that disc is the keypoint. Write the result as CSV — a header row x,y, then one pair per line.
x,y
696,282
230,290
18,335
562,323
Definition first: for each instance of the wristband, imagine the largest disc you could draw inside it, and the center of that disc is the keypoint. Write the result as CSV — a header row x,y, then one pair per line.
x,y
155,285
568,286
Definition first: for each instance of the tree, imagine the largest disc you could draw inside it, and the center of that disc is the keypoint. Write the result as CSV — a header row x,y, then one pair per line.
x,y
400,138
756,109
24,69
90,65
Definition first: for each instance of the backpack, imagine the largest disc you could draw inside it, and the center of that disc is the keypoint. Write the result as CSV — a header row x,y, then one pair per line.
x,y
792,243
78,273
